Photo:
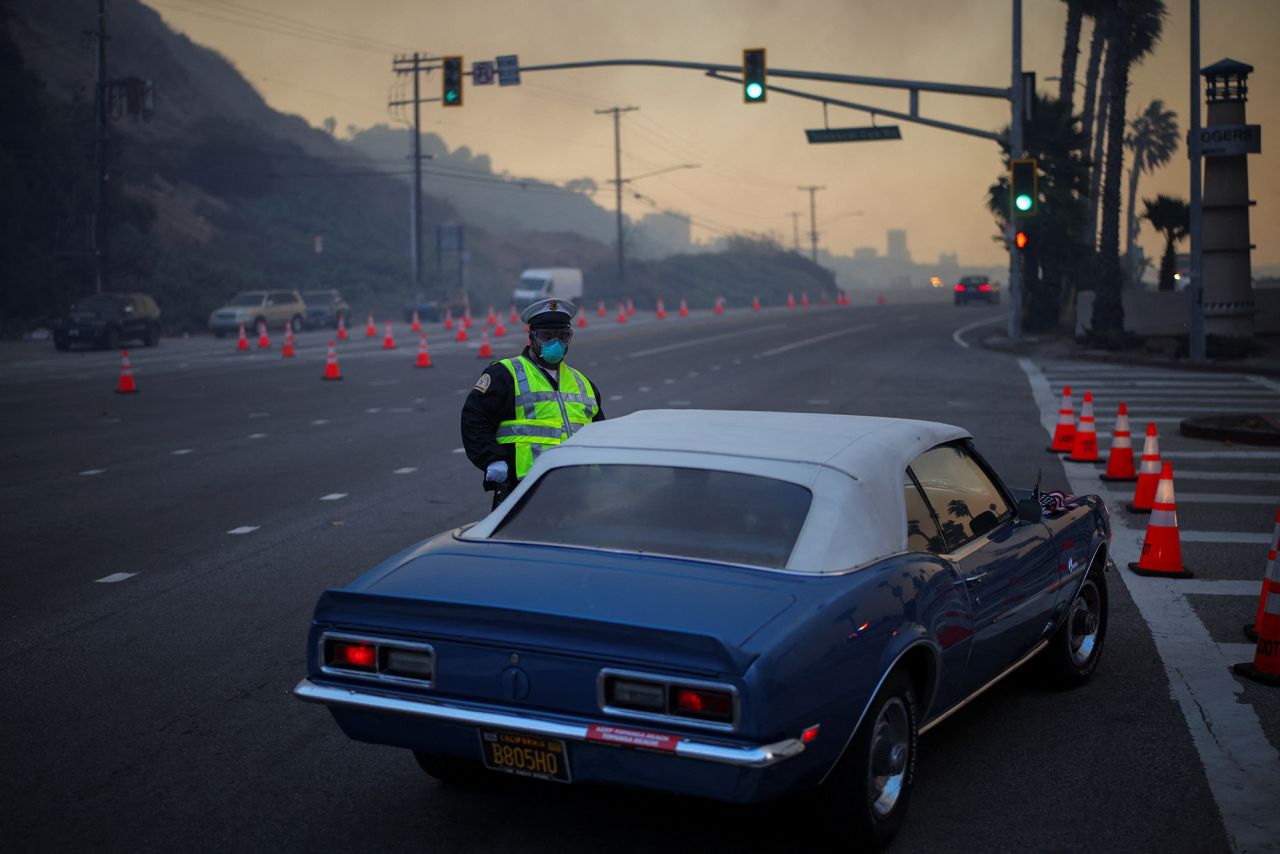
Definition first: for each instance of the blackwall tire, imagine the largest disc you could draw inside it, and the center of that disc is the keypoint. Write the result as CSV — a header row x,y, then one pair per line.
x,y
1076,648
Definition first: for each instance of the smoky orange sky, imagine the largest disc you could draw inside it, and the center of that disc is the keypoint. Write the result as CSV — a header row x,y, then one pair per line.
x,y
752,157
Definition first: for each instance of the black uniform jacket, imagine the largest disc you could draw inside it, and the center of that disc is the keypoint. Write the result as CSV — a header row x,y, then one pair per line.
x,y
490,403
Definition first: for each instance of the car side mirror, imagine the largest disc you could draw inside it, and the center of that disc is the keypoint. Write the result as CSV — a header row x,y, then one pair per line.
x,y
1029,510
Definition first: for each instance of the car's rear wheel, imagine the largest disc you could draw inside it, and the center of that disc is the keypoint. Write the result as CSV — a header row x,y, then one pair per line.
x,y
1075,649
451,769
296,323
865,798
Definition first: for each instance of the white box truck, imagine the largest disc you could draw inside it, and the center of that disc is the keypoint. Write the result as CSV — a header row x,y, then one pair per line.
x,y
545,282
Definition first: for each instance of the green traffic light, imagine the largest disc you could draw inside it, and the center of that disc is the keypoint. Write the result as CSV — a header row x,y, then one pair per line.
x,y
452,96
1023,202
754,91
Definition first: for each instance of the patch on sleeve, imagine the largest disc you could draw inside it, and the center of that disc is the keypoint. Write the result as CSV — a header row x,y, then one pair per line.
x,y
482,384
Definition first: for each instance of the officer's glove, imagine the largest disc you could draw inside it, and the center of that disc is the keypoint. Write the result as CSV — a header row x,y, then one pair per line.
x,y
496,472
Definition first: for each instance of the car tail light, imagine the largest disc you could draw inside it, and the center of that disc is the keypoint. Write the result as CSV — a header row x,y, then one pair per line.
x,y
406,663
636,695
353,655
959,287
703,703
984,287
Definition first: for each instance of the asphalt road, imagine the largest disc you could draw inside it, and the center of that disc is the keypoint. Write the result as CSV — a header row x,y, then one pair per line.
x,y
153,712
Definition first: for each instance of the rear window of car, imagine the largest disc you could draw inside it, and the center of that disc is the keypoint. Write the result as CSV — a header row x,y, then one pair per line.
x,y
686,512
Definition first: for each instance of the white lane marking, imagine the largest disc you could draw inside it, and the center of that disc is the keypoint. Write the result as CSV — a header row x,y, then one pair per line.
x,y
319,422
1137,410
1239,761
459,451
1236,652
818,402
644,388
737,361
114,577
333,496
679,403
1218,455
259,414
1234,537
406,470
613,397
244,529
691,374
669,382
182,452
1210,497
653,351
1263,476
786,348
1209,587
715,367
986,321
257,435
1274,385
91,472
374,410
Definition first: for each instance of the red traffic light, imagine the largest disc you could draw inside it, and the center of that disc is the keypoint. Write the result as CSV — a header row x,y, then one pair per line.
x,y
1021,240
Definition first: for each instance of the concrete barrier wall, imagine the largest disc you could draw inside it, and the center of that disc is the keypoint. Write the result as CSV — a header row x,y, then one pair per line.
x,y
1167,312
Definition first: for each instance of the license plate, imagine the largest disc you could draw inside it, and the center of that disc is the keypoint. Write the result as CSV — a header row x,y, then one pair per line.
x,y
525,755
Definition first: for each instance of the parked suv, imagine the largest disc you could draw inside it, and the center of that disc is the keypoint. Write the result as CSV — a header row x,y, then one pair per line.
x,y
105,320
979,288
276,309
324,308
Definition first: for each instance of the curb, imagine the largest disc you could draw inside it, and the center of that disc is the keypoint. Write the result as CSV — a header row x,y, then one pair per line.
x,y
1138,361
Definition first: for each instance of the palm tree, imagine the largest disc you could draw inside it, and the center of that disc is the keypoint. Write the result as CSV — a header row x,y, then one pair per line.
x,y
1172,218
1070,51
1097,10
1153,139
1094,116
1134,29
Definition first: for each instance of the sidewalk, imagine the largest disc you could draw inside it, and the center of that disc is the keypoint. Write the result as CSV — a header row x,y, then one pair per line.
x,y
1157,353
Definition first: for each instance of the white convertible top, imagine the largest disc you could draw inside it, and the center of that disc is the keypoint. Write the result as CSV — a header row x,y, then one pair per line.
x,y
853,464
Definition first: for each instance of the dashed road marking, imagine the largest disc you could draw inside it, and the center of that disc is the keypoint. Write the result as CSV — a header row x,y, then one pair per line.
x,y
319,422
257,435
653,351
374,410
613,397
333,496
406,470
244,529
182,452
259,414
91,472
458,451
715,367
691,374
786,348
114,577
644,388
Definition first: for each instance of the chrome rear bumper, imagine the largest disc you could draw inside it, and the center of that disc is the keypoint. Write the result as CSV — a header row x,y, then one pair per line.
x,y
754,756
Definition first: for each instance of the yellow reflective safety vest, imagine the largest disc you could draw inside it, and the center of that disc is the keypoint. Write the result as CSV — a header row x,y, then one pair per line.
x,y
544,416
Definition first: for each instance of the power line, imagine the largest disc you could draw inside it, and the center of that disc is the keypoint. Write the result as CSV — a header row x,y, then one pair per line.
x,y
318,35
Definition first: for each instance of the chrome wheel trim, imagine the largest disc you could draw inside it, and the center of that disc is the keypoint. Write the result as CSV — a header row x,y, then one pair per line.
x,y
889,757
1083,623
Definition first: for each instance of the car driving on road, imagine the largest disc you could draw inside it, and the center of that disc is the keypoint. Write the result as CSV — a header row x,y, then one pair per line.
x,y
732,605
107,320
977,288
276,309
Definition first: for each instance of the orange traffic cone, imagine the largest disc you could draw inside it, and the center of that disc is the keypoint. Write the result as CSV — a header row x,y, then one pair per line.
x,y
331,370
492,319
804,300
622,312
342,327
1120,460
388,341
823,298
600,312
513,318
1148,473
466,318
462,332
424,358
1265,667
755,303
880,300
1084,446
126,384
243,343
684,308
719,305
264,343
287,350
582,320
1065,432
486,352
662,310
631,308
448,319
371,331
1161,548
499,331
1270,582
416,326
791,301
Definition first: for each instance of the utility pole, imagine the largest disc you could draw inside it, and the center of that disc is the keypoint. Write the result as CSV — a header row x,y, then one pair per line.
x,y
1015,152
617,180
1196,342
415,64
101,233
813,219
795,231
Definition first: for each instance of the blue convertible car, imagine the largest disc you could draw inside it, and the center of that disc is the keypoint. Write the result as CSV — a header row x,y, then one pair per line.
x,y
735,605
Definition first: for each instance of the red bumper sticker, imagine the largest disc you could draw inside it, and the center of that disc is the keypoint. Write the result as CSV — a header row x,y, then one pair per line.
x,y
632,737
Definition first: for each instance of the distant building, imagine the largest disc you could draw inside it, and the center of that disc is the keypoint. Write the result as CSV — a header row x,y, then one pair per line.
x,y
947,260
865,253
898,253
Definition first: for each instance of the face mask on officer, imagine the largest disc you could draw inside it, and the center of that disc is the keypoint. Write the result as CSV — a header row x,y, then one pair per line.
x,y
550,345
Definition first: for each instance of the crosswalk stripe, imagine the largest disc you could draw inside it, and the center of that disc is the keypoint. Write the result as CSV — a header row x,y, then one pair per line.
x,y
1231,537
1212,498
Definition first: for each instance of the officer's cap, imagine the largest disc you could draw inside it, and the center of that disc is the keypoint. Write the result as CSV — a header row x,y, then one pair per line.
x,y
549,313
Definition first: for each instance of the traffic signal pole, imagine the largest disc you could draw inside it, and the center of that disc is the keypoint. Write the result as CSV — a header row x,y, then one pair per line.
x,y
1017,92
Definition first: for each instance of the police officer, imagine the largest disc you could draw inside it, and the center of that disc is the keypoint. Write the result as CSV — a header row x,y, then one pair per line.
x,y
525,404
